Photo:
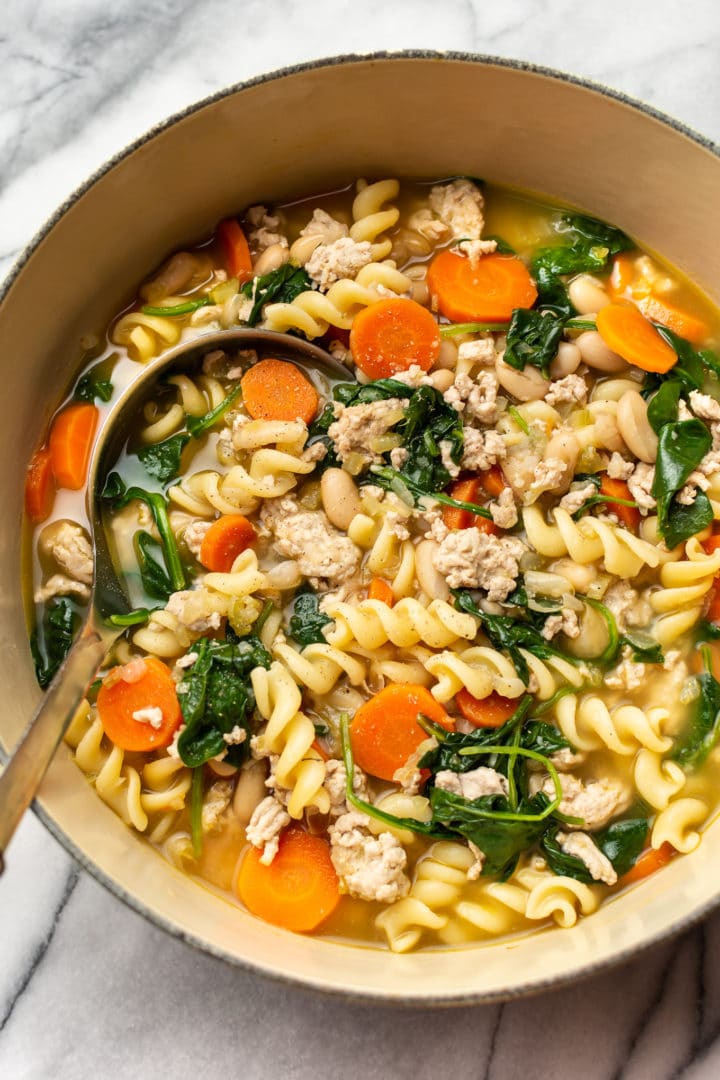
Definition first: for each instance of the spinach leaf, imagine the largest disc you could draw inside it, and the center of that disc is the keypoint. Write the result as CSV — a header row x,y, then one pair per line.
x,y
447,754
645,650
621,843
503,248
682,446
685,521
511,633
500,839
50,643
307,621
543,738
597,232
162,460
663,407
281,286
216,696
198,425
704,727
379,390
119,495
533,338
590,245
94,384
156,582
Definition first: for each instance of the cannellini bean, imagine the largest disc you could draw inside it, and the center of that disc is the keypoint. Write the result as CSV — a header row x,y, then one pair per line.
x,y
634,427
420,293
431,581
597,354
527,385
593,636
271,258
221,769
284,575
448,355
580,577
340,498
604,431
612,389
249,791
175,276
565,446
442,380
567,360
587,295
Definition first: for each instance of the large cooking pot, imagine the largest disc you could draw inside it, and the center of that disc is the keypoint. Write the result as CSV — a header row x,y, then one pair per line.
x,y
295,132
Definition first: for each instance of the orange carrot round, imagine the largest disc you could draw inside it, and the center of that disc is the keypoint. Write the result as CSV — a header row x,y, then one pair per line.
x,y
468,491
70,444
487,292
278,390
235,247
492,481
385,732
622,275
381,590
150,687
391,335
618,489
651,860
628,333
226,538
678,320
39,487
298,890
490,712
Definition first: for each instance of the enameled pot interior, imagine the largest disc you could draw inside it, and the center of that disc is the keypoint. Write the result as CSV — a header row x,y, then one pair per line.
x,y
302,131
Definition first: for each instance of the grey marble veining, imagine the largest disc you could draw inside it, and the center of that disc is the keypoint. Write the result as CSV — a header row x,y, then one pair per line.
x,y
87,988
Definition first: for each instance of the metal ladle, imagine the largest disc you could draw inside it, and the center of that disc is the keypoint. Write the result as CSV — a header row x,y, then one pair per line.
x,y
24,773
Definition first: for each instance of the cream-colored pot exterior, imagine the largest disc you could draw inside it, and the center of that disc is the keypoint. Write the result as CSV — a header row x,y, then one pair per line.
x,y
300,131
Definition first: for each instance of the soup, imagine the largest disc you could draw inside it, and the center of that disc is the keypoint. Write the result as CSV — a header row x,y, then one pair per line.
x,y
426,655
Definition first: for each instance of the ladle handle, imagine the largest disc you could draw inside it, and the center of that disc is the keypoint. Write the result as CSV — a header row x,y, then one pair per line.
x,y
25,770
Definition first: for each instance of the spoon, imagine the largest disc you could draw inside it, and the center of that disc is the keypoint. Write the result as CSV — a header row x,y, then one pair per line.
x,y
26,769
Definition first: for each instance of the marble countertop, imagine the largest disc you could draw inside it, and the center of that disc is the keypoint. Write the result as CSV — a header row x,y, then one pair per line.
x,y
87,988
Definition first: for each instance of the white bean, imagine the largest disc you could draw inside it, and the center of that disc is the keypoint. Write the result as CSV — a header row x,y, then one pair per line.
x,y
271,258
605,432
448,355
567,360
634,427
612,389
284,575
593,636
565,446
527,385
249,791
597,354
420,293
431,581
442,379
340,498
580,576
587,295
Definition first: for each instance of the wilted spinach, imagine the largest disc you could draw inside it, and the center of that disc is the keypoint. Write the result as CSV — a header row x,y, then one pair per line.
x,y
692,748
281,286
94,385
307,621
118,495
153,574
51,641
621,843
162,460
682,446
533,338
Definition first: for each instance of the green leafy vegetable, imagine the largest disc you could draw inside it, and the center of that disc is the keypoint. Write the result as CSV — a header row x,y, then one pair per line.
x,y
682,446
176,309
532,338
198,425
645,650
503,248
119,495
94,385
692,748
51,641
589,247
543,738
307,621
196,804
216,696
132,618
162,460
663,407
621,843
447,754
281,286
596,232
156,582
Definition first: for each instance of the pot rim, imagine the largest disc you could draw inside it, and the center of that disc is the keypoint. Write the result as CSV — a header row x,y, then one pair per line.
x,y
531,987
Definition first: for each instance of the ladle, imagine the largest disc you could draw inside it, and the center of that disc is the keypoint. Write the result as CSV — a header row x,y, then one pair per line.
x,y
26,769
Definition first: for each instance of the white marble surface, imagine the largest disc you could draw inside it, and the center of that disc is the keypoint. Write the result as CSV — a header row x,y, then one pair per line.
x,y
87,988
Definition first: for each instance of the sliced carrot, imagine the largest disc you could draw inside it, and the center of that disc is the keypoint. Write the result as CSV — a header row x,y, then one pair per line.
x,y
492,481
317,745
381,590
678,320
651,860
618,489
119,698
299,888
487,292
630,335
712,543
278,390
385,732
70,443
235,246
39,487
468,491
622,275
226,538
391,335
490,712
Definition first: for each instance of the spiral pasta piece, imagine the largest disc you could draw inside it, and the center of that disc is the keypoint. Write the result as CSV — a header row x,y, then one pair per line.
x,y
589,540
370,220
685,584
677,824
144,336
588,724
117,783
290,734
482,670
318,666
657,781
372,623
271,474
